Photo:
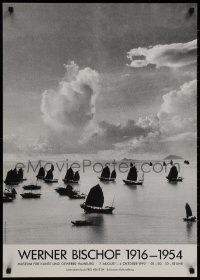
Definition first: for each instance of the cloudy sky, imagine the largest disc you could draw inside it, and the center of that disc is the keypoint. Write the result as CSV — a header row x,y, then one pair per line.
x,y
112,80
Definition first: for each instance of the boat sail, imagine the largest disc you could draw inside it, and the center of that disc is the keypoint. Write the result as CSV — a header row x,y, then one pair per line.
x,y
94,202
188,210
70,177
106,176
113,174
189,216
20,174
132,177
41,173
173,175
49,176
76,176
12,177
105,172
69,174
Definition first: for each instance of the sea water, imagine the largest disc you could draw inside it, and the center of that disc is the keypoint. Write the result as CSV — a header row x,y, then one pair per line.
x,y
152,213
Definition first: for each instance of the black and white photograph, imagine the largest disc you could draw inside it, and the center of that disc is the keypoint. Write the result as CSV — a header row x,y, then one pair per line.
x,y
100,124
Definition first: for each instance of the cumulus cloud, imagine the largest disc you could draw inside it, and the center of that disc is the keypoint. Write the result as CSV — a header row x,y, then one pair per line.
x,y
72,105
171,55
154,145
175,122
143,144
178,112
109,134
181,101
150,121
103,137
172,129
69,112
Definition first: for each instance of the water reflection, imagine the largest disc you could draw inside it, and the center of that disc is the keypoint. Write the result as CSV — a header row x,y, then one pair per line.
x,y
97,229
173,183
96,219
136,208
189,229
134,187
105,182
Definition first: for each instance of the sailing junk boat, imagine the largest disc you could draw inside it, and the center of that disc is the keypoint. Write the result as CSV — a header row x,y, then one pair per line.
x,y
189,216
10,193
30,195
12,177
82,223
49,176
7,199
132,177
66,191
71,177
77,196
70,192
173,175
41,173
94,202
105,175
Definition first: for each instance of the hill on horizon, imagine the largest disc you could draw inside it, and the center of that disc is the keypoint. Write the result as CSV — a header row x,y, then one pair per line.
x,y
173,157
128,159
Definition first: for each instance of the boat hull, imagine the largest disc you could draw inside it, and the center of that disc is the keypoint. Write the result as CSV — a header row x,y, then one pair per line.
x,y
189,219
51,181
81,223
90,209
64,191
32,187
77,196
7,199
40,177
22,180
70,181
106,179
131,183
179,179
10,195
30,195
11,183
